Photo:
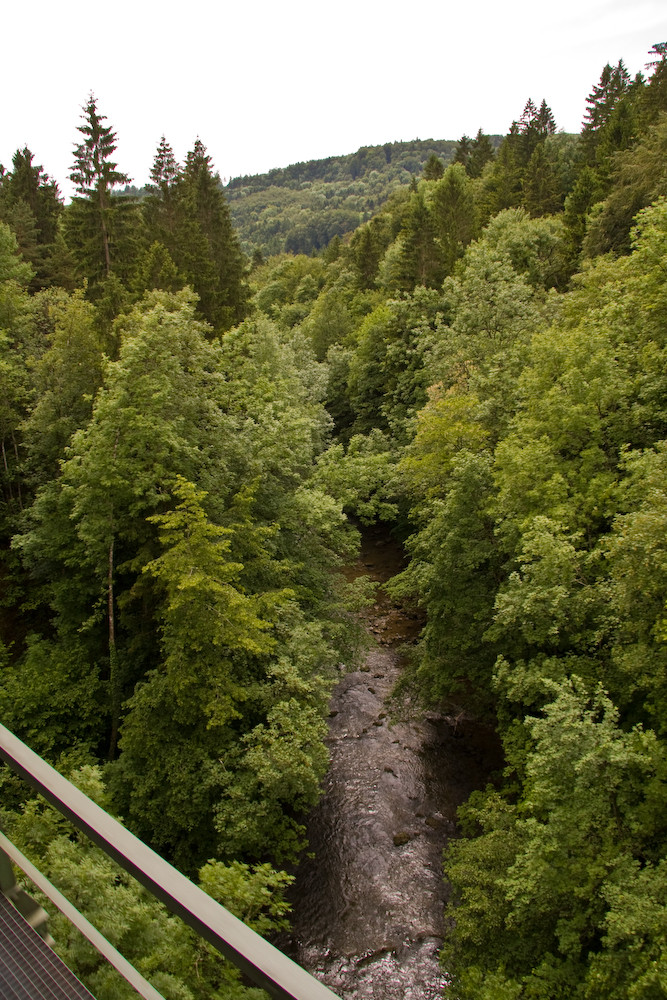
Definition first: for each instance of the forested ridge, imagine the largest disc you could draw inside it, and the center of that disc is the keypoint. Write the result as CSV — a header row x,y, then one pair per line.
x,y
301,208
188,441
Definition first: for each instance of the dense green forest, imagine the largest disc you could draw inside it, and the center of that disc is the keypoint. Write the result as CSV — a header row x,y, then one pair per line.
x,y
301,208
189,438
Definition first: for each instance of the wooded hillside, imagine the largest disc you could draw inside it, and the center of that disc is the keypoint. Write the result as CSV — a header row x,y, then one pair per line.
x,y
188,439
301,208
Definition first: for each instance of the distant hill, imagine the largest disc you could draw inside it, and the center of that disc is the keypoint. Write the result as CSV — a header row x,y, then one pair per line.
x,y
300,208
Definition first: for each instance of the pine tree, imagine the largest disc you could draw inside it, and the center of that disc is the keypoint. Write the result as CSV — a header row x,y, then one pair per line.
x,y
603,99
502,188
421,257
160,207
210,254
654,98
454,214
462,152
614,82
96,222
534,127
481,153
31,205
29,183
541,190
546,120
433,168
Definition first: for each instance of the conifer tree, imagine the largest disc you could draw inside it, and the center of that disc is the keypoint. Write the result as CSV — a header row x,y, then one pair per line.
x,y
204,197
421,257
160,208
462,152
433,168
534,127
96,219
614,82
654,95
454,214
541,190
481,153
29,183
601,102
503,185
187,213
546,119
31,205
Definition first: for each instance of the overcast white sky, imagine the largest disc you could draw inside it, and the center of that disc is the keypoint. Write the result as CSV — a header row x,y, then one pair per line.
x,y
265,84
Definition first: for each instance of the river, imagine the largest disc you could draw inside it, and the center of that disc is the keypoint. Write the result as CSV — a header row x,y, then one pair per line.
x,y
368,905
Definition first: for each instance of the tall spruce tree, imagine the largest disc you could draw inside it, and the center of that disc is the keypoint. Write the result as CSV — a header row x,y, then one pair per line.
x,y
462,151
31,205
481,152
97,222
601,102
209,252
160,206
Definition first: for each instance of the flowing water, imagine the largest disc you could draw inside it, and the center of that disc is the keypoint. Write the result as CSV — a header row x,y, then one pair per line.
x,y
368,905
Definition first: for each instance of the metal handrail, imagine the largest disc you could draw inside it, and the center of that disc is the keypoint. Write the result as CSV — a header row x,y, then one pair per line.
x,y
90,932
264,964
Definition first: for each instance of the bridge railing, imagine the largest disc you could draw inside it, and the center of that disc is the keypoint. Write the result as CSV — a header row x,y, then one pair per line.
x,y
264,964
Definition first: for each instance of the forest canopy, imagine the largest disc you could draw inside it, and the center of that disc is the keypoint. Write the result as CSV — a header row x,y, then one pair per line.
x,y
192,438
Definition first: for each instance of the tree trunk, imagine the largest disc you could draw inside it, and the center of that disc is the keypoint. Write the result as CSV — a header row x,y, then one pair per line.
x,y
114,680
105,235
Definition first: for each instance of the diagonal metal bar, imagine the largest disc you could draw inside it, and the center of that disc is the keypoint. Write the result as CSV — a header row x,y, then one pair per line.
x,y
89,931
260,961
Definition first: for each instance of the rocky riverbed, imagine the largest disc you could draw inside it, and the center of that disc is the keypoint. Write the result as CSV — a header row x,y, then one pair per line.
x,y
368,905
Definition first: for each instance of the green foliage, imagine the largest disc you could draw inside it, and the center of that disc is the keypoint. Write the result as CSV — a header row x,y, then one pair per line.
x,y
386,379
100,225
362,477
254,895
15,389
189,229
453,571
52,698
277,769
535,887
162,948
210,243
66,378
420,259
636,550
455,214
30,204
180,510
434,168
303,207
329,322
15,273
206,618
639,178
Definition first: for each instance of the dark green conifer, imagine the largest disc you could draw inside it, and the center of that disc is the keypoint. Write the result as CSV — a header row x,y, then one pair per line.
x,y
614,83
462,151
98,223
31,205
211,255
433,168
421,257
481,153
160,207
541,190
